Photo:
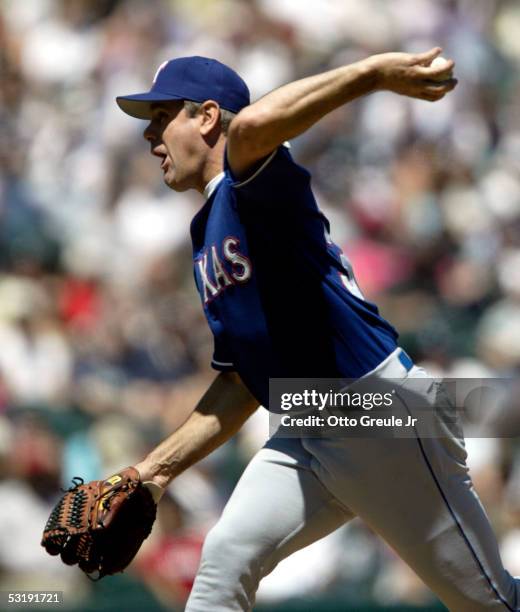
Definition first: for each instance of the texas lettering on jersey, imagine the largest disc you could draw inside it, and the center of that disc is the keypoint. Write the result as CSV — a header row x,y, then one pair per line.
x,y
217,271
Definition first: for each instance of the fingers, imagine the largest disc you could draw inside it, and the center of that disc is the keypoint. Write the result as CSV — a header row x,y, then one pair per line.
x,y
437,73
435,90
425,59
441,86
428,98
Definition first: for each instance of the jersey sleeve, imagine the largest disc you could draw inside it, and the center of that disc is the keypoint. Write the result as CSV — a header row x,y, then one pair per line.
x,y
222,360
276,181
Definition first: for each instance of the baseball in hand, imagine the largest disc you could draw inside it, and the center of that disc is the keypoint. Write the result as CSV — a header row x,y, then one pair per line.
x,y
438,63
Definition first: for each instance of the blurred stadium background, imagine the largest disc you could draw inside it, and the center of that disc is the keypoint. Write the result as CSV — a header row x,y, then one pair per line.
x,y
103,346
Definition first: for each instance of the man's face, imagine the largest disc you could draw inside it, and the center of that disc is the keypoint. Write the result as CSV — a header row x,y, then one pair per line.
x,y
174,138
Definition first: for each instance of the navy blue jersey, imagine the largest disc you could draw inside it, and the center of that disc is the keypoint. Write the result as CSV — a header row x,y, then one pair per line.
x,y
278,294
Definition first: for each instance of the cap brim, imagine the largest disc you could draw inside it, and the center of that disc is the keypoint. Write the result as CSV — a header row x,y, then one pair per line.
x,y
139,105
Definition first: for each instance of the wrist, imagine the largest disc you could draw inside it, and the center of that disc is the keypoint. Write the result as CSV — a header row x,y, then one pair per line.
x,y
372,70
150,472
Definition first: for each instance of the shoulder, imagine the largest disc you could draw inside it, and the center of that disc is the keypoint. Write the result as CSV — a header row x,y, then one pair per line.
x,y
245,148
278,166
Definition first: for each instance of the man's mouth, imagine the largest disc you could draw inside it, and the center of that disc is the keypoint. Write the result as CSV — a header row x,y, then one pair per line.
x,y
165,163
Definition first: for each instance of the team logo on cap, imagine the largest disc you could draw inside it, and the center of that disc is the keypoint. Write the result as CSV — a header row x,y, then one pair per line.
x,y
159,70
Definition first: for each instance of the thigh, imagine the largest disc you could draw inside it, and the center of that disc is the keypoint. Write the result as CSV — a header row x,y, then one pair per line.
x,y
279,505
418,495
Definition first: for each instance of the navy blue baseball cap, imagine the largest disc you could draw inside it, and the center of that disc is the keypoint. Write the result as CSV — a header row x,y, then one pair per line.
x,y
189,78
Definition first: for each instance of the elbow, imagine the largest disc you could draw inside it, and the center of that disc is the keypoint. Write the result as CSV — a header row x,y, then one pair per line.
x,y
231,377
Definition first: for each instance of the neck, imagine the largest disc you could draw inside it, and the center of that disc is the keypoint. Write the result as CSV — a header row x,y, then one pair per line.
x,y
214,164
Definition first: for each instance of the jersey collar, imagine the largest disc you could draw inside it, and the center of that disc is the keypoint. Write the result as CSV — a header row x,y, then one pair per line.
x,y
212,185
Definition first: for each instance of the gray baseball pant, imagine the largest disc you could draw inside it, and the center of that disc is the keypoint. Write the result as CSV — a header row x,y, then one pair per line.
x,y
414,492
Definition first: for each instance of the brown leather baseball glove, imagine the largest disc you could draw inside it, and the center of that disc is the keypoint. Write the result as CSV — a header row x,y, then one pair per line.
x,y
102,524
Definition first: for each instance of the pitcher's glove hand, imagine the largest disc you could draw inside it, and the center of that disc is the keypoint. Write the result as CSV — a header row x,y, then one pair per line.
x,y
102,524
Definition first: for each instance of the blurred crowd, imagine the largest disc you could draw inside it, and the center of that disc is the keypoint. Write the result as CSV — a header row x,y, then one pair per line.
x,y
103,346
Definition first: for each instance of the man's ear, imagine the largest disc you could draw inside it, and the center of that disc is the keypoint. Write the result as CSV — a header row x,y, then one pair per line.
x,y
209,116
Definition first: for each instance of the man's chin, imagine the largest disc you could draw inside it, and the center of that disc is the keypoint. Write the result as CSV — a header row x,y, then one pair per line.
x,y
175,185
171,181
